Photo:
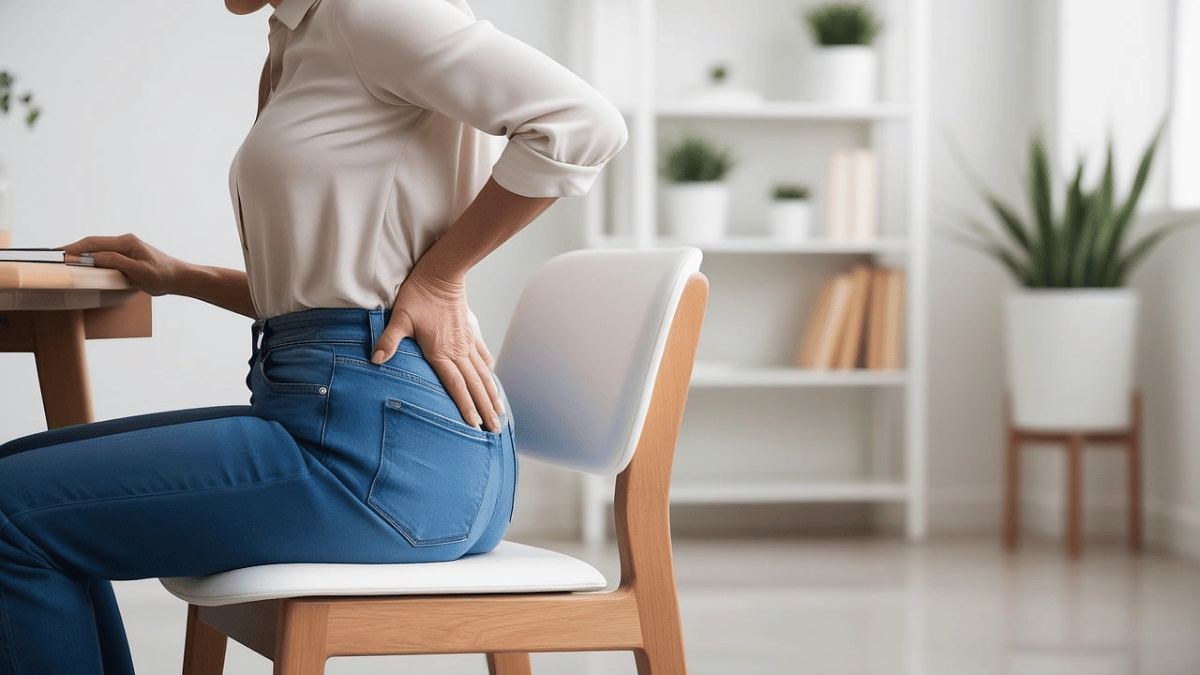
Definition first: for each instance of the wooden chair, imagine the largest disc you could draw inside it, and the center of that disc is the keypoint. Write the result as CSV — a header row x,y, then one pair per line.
x,y
596,364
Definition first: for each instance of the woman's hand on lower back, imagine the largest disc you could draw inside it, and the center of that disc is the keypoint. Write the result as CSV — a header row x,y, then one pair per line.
x,y
433,312
148,268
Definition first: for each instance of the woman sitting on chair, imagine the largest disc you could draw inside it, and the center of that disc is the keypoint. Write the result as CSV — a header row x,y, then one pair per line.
x,y
376,432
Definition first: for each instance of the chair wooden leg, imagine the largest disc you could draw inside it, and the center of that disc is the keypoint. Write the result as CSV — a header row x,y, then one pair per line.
x,y
203,647
661,659
508,663
1135,477
301,644
1074,495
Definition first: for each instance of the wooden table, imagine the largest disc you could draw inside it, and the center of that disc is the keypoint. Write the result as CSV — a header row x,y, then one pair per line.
x,y
49,310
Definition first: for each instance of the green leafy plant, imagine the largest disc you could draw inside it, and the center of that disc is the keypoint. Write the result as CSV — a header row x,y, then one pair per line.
x,y
694,160
7,94
843,23
1083,246
790,191
718,73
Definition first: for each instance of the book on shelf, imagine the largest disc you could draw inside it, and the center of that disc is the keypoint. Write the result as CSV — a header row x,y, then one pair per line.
x,y
876,318
826,324
44,255
893,340
856,310
816,324
857,322
852,195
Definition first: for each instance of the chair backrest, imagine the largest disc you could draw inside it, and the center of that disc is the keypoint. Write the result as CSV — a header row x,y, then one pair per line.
x,y
583,350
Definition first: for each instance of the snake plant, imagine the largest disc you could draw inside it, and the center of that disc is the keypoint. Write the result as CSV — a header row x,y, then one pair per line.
x,y
1084,245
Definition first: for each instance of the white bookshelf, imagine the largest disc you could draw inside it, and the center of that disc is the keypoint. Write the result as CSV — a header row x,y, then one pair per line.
x,y
783,110
758,430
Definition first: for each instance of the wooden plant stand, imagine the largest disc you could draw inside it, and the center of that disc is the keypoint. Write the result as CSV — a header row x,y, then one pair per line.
x,y
1074,441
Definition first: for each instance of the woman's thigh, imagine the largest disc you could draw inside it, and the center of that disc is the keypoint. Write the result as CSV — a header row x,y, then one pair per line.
x,y
183,499
120,425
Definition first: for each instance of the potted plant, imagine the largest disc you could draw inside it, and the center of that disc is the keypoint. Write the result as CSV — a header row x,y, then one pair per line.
x,y
697,199
843,68
719,92
791,212
1071,326
7,94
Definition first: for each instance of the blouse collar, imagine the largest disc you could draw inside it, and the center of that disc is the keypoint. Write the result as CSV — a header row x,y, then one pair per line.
x,y
292,12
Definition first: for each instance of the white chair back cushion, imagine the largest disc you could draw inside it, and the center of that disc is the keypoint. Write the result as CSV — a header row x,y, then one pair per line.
x,y
582,352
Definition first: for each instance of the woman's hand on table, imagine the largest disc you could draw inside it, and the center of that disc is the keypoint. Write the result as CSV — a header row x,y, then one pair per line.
x,y
148,268
433,312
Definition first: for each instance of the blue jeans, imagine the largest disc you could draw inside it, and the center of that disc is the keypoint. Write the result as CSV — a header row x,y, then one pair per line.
x,y
335,460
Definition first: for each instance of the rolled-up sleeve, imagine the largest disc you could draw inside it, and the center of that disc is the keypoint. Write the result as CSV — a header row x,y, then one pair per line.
x,y
428,53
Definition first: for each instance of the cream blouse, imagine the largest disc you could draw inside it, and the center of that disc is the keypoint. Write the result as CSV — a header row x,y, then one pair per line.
x,y
370,145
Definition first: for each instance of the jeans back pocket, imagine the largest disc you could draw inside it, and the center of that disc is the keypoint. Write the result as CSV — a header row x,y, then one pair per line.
x,y
433,474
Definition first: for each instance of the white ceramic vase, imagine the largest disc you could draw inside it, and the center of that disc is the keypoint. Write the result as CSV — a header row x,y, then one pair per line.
x,y
790,219
1071,357
697,212
843,75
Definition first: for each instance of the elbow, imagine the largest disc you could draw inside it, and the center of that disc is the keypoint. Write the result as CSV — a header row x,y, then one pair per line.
x,y
610,133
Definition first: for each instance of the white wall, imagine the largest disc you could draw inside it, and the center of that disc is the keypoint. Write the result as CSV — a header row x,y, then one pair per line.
x,y
980,88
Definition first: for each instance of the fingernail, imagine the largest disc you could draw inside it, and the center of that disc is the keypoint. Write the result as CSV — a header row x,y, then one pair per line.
x,y
496,424
377,357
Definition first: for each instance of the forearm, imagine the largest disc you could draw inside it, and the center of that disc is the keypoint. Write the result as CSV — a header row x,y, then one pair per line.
x,y
490,220
226,288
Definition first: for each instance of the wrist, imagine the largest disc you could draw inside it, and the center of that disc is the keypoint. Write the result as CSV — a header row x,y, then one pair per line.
x,y
184,278
442,277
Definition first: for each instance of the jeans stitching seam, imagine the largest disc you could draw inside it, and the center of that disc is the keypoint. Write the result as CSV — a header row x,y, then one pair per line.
x,y
367,365
171,493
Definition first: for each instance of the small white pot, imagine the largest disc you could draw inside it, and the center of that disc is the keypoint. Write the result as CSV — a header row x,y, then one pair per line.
x,y
790,219
844,75
1071,357
697,212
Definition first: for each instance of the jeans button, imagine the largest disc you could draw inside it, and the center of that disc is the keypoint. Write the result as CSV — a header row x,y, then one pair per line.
x,y
323,390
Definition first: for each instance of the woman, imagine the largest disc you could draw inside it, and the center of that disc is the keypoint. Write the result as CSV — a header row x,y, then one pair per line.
x,y
376,432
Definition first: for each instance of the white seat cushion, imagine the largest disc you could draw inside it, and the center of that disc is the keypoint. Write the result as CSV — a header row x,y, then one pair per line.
x,y
509,568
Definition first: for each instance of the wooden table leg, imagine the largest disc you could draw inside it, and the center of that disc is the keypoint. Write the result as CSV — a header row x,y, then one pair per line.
x,y
62,367
1074,495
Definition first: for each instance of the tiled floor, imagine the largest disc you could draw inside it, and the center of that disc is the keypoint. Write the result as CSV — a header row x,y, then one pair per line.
x,y
850,607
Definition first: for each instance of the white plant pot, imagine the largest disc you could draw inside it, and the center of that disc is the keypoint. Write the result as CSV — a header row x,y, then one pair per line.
x,y
1071,357
844,75
790,219
697,212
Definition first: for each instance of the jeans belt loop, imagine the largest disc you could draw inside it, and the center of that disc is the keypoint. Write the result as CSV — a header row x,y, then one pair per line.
x,y
377,326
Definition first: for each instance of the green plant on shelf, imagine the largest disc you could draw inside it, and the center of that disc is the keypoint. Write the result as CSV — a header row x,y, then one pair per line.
x,y
695,160
718,73
7,94
843,23
1084,246
792,191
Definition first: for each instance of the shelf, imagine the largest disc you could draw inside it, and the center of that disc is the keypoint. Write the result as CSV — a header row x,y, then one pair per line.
x,y
768,245
762,244
719,375
684,492
784,110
